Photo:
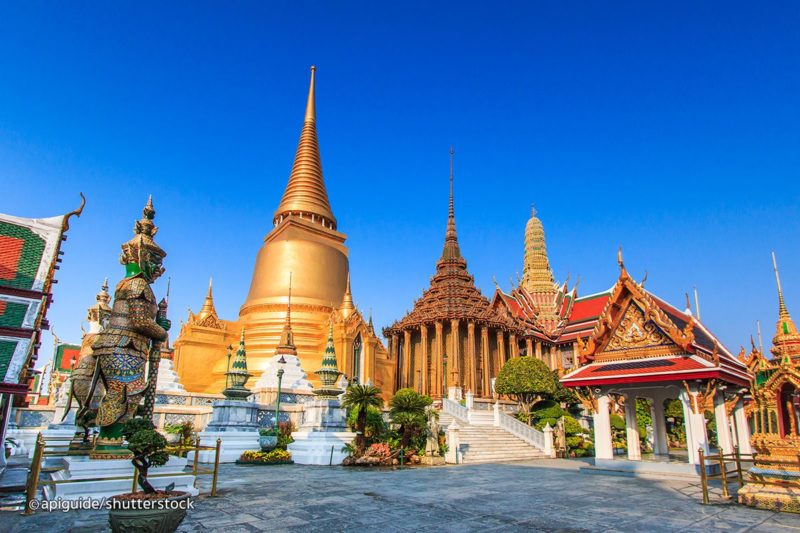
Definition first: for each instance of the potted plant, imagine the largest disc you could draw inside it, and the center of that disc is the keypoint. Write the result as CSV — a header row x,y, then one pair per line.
x,y
173,433
147,446
268,438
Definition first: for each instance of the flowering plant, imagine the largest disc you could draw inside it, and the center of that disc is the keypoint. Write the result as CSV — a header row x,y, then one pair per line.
x,y
275,456
379,449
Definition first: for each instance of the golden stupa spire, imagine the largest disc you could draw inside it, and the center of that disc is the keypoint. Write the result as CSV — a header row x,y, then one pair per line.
x,y
451,249
208,305
305,193
783,313
287,337
536,273
347,301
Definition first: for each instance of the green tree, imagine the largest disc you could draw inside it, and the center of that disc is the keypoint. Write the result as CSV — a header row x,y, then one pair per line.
x,y
524,380
360,398
565,395
407,410
148,448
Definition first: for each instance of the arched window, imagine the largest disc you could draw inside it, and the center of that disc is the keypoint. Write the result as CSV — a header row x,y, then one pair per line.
x,y
357,347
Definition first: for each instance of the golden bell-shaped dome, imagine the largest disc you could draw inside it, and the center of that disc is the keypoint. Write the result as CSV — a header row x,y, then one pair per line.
x,y
304,240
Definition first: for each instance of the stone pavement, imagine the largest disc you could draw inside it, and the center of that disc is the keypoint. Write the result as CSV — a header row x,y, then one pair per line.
x,y
542,495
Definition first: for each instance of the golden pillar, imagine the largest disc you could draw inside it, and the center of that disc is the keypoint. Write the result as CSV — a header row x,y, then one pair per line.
x,y
407,359
394,355
528,346
423,331
575,354
486,389
539,350
513,348
553,359
501,352
456,366
473,358
440,377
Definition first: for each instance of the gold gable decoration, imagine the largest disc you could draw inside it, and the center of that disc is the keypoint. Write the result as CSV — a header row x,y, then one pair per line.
x,y
606,338
635,331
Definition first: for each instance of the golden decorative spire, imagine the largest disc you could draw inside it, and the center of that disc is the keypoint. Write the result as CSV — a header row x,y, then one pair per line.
x,y
786,343
208,305
451,249
347,303
536,273
287,337
783,313
305,193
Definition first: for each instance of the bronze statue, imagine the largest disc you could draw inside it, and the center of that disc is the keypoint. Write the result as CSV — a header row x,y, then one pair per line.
x,y
134,333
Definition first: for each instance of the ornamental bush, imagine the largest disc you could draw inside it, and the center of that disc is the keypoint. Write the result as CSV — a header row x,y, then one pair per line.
x,y
546,412
275,456
525,379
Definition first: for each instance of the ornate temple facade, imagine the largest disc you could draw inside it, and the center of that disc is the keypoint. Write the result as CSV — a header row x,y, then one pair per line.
x,y
453,337
305,246
643,347
551,315
774,415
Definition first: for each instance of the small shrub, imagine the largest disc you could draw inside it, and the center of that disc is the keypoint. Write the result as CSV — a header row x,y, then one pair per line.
x,y
275,456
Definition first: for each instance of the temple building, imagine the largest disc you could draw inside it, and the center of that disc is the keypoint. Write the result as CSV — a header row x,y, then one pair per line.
x,y
30,250
774,481
551,315
305,246
643,347
453,337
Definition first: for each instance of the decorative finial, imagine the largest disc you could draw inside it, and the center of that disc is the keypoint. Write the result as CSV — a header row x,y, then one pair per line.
x,y
688,310
451,250
311,110
533,210
619,258
644,279
784,313
77,212
696,304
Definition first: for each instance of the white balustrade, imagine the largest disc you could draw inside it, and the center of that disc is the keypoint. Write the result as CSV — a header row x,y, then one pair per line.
x,y
529,434
456,410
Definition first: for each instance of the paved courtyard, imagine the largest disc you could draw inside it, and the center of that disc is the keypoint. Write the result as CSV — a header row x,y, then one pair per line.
x,y
549,495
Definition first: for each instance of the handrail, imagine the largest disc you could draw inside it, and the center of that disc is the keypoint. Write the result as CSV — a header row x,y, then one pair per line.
x,y
33,481
456,410
523,431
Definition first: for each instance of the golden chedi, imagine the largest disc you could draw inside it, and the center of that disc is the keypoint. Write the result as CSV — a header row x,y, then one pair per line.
x,y
304,245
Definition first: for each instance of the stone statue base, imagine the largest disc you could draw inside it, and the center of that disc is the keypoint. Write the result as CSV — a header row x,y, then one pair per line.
x,y
92,478
235,423
322,435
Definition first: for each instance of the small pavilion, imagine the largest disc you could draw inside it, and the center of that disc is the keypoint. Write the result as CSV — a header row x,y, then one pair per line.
x,y
643,347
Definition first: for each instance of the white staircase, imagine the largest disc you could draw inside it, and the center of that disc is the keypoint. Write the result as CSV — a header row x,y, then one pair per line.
x,y
483,442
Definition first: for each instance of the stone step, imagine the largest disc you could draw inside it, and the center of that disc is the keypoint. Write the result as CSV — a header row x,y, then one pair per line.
x,y
498,456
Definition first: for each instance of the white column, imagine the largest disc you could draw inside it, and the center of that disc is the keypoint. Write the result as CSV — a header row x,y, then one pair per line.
x,y
453,443
723,427
602,429
632,429
660,446
696,436
742,428
549,449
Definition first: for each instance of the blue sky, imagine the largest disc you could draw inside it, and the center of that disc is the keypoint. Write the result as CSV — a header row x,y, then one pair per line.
x,y
670,129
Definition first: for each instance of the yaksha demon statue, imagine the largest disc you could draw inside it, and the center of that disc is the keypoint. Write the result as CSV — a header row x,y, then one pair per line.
x,y
134,333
